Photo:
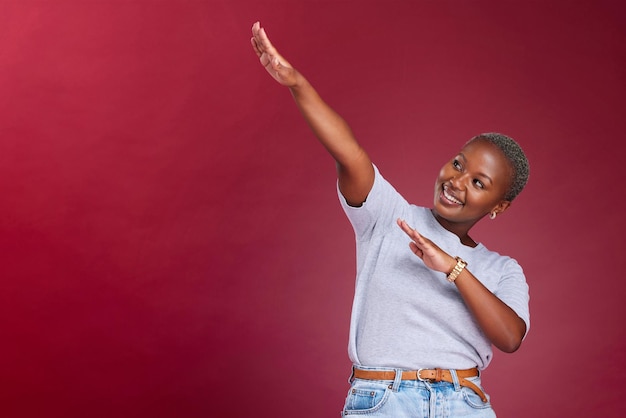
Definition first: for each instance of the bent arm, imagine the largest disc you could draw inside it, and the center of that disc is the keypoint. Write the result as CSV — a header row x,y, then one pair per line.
x,y
504,328
354,167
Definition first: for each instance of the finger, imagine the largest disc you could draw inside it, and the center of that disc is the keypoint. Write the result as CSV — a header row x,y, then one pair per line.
x,y
419,240
417,237
255,47
255,31
260,37
413,233
416,250
405,227
265,50
265,42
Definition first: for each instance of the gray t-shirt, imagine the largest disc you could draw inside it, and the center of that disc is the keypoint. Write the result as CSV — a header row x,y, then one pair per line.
x,y
405,315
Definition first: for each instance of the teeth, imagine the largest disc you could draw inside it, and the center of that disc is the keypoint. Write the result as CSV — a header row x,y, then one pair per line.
x,y
451,198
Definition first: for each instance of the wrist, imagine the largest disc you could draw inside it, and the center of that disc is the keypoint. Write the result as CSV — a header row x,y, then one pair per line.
x,y
458,267
299,83
451,266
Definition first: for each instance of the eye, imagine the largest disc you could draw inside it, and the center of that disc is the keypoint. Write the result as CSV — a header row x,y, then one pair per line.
x,y
456,164
479,184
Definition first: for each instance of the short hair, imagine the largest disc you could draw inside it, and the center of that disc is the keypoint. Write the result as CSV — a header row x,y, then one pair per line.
x,y
516,157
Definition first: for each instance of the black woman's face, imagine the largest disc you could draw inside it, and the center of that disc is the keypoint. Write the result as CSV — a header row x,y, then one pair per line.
x,y
473,183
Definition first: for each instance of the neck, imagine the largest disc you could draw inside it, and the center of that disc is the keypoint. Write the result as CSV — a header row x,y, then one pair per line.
x,y
461,230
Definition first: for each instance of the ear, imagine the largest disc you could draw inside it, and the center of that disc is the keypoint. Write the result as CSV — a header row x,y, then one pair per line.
x,y
501,207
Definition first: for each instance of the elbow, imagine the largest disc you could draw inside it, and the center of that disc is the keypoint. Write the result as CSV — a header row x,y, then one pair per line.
x,y
512,342
511,346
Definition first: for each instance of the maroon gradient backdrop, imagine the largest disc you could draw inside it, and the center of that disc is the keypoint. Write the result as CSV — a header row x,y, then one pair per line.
x,y
171,242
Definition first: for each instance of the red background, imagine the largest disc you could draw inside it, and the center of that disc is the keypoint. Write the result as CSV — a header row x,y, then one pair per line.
x,y
171,241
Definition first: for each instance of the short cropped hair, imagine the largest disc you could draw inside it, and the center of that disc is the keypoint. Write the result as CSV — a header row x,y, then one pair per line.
x,y
515,155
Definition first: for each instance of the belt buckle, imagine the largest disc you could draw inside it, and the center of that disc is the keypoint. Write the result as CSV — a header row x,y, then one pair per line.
x,y
437,378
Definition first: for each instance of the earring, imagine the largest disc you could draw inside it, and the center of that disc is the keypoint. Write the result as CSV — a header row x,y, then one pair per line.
x,y
492,215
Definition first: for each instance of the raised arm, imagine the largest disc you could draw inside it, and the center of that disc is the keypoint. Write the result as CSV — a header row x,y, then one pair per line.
x,y
354,168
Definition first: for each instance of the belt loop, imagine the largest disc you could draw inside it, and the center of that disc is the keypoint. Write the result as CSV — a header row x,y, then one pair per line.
x,y
455,380
351,378
397,380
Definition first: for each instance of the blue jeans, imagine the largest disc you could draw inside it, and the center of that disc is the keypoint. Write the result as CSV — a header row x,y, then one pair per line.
x,y
414,398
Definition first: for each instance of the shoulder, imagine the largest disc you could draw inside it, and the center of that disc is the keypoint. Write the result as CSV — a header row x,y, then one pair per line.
x,y
493,268
484,255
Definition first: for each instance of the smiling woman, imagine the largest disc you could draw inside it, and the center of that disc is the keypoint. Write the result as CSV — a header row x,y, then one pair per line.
x,y
171,238
483,178
409,358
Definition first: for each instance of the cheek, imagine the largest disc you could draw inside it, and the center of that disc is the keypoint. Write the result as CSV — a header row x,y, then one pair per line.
x,y
482,200
443,174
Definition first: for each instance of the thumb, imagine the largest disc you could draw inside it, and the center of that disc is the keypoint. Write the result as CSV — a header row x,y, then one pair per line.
x,y
275,63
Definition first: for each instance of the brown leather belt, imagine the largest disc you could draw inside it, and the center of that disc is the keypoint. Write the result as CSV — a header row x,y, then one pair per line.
x,y
429,375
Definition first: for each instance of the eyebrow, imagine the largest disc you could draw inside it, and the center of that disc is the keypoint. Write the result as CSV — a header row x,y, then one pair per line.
x,y
481,174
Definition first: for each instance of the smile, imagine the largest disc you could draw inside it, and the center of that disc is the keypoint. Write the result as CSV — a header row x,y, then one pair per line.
x,y
450,197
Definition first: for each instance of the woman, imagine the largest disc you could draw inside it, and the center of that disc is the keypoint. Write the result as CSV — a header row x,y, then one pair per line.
x,y
425,316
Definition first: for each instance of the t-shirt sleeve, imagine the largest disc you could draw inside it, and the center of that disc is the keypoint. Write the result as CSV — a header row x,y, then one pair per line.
x,y
380,210
513,290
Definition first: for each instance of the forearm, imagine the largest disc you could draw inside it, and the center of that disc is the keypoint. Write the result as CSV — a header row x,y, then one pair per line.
x,y
354,168
328,126
504,328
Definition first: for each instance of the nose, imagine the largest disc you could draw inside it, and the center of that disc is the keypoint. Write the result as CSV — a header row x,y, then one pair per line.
x,y
457,181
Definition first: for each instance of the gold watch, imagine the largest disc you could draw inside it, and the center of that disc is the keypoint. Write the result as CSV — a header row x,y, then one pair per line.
x,y
458,268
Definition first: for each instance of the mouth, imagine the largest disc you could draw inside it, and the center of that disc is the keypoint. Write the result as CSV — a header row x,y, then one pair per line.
x,y
449,196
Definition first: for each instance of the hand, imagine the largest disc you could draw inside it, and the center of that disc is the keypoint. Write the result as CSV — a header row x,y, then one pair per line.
x,y
433,256
273,62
